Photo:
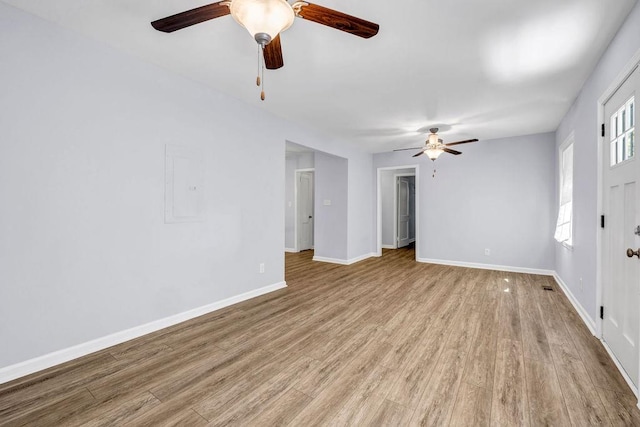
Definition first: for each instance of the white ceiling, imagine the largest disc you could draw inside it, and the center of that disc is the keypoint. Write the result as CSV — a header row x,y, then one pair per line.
x,y
484,69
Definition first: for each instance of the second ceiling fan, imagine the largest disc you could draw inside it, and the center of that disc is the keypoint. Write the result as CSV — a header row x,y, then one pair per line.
x,y
265,20
434,146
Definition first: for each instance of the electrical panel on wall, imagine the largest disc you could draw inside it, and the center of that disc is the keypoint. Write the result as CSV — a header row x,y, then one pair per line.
x,y
184,184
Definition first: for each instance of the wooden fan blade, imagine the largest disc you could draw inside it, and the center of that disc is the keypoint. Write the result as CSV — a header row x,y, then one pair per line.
x,y
191,17
273,54
418,154
338,20
461,142
450,151
404,149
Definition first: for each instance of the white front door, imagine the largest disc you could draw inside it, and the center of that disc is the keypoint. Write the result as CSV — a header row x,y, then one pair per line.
x,y
305,210
403,211
621,198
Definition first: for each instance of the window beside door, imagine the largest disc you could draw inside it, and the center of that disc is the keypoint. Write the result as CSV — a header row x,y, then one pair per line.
x,y
564,228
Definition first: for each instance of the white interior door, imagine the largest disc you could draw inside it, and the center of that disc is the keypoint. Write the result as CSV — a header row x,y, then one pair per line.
x,y
621,274
403,211
305,210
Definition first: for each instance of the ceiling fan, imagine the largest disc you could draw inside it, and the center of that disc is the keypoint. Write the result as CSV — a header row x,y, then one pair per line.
x,y
434,146
265,20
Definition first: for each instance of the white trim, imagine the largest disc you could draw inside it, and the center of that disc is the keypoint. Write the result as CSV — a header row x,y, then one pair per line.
x,y
291,250
626,377
395,211
487,266
388,247
296,246
345,261
31,366
591,324
416,168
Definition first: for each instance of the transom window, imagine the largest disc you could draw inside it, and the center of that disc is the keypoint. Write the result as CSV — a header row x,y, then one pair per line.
x,y
623,133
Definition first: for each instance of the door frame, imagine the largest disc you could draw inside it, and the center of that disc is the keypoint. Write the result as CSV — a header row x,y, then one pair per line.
x,y
616,83
296,174
395,206
379,170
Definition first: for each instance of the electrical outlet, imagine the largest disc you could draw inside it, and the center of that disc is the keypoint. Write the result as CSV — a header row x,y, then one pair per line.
x,y
487,251
262,267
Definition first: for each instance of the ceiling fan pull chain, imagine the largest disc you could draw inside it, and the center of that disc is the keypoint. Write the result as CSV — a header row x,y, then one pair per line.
x,y
259,63
262,73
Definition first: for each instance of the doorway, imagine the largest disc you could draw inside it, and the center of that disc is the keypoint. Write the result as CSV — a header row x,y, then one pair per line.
x,y
398,208
304,194
620,204
405,206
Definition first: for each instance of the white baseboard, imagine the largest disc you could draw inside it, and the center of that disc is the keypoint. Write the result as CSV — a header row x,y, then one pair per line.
x,y
388,247
591,324
345,261
488,266
291,250
31,366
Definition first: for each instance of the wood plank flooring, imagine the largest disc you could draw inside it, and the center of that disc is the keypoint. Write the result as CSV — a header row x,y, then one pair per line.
x,y
384,342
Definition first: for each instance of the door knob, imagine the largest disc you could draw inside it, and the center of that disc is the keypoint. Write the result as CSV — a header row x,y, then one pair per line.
x,y
631,253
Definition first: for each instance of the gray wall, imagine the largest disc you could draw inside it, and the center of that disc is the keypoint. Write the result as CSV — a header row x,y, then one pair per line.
x,y
331,223
571,265
84,251
499,194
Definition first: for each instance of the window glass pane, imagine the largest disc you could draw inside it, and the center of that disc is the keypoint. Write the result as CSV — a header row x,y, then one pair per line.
x,y
620,125
623,145
630,148
613,132
632,108
623,119
620,146
612,154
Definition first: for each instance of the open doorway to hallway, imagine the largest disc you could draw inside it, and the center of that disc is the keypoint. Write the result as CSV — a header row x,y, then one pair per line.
x,y
397,209
316,203
300,195
304,209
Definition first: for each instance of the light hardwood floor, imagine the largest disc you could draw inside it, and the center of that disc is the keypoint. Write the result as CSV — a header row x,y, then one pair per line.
x,y
386,341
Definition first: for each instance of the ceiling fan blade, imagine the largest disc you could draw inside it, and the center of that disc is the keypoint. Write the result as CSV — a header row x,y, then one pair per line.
x,y
338,20
273,54
191,17
404,149
420,153
461,142
450,151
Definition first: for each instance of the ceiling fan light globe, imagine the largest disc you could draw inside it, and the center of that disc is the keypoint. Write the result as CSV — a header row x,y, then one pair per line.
x,y
433,153
270,17
433,139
